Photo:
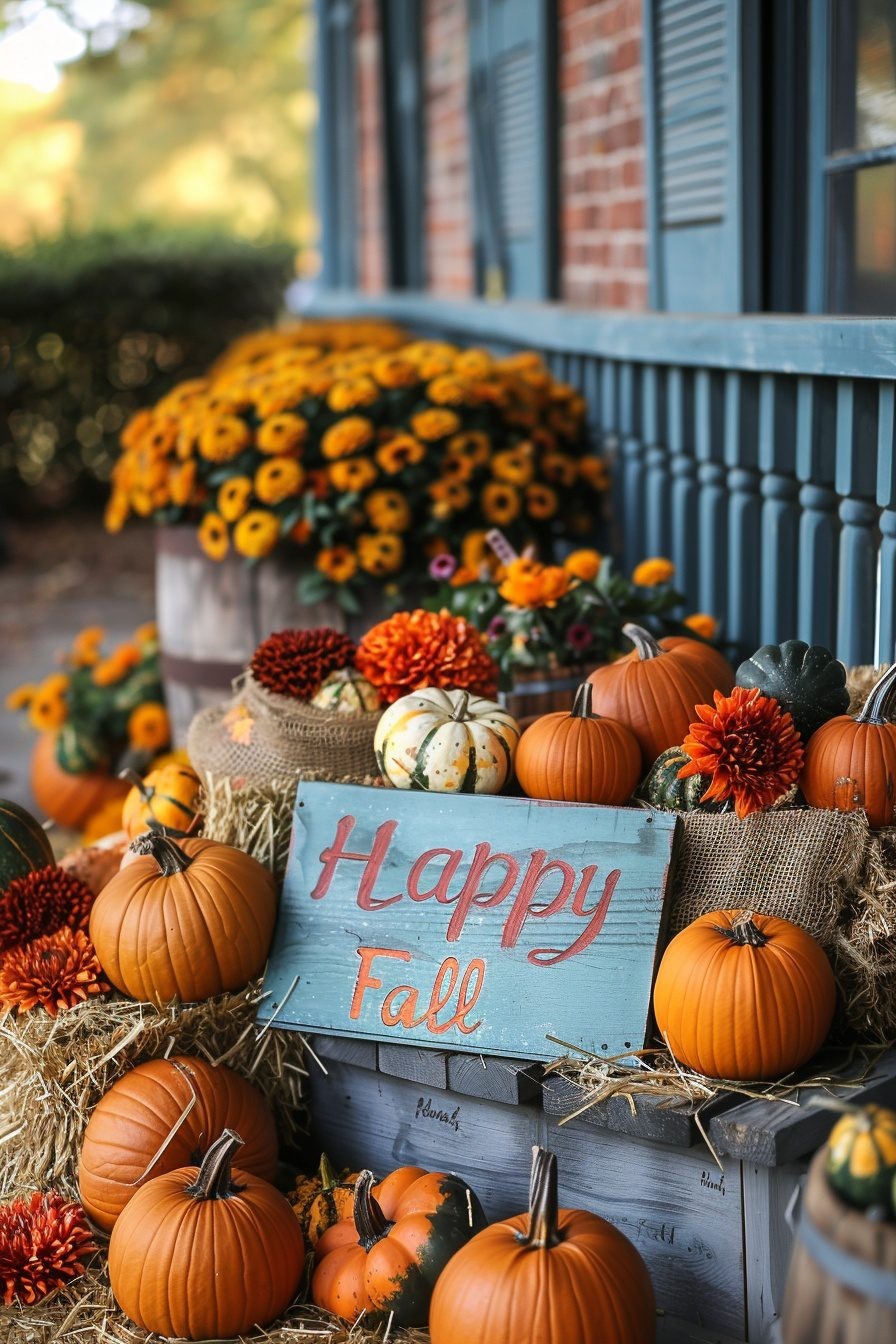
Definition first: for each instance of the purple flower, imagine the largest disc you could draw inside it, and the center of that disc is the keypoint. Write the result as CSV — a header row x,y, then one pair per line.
x,y
442,566
578,636
497,626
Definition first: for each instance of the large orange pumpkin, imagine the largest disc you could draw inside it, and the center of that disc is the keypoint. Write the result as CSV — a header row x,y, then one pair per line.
x,y
744,996
206,1252
578,757
851,761
389,1254
166,800
160,1116
69,799
550,1275
184,921
653,690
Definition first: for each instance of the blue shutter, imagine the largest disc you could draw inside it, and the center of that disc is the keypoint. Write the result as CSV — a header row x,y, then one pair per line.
x,y
702,144
403,132
513,146
336,154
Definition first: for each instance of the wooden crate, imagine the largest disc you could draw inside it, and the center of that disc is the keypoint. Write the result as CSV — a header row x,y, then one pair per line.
x,y
716,1242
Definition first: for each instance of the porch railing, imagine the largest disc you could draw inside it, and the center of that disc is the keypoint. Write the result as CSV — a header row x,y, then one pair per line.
x,y
759,453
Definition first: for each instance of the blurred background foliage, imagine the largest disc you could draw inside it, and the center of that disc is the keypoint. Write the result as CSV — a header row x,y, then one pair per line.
x,y
155,198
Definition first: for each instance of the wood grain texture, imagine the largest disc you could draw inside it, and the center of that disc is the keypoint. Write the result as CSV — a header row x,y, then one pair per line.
x,y
650,1119
427,1067
768,1243
345,1050
511,1081
463,923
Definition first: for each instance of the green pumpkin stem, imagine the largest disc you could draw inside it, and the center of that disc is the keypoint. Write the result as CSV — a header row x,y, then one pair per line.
x,y
581,706
460,709
215,1179
169,856
131,777
329,1178
881,703
645,644
743,931
371,1223
544,1232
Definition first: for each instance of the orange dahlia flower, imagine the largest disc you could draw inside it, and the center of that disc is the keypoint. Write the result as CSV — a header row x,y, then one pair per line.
x,y
413,649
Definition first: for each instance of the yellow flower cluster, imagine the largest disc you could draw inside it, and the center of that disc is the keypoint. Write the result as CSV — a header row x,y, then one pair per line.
x,y
339,437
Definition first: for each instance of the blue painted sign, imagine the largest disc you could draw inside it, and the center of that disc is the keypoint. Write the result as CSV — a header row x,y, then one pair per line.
x,y
469,923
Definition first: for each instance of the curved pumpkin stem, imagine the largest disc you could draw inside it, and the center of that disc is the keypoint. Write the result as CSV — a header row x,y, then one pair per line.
x,y
581,706
371,1224
645,644
881,703
131,777
169,856
215,1179
329,1178
544,1232
743,931
460,709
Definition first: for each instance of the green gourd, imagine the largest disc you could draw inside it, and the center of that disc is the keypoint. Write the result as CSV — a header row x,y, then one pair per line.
x,y
806,680
661,786
24,846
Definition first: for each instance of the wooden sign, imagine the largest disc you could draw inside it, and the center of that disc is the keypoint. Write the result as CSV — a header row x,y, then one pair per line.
x,y
469,923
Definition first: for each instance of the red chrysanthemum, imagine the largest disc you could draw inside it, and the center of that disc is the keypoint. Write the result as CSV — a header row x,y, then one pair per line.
x,y
54,973
297,662
42,902
748,746
413,649
44,1244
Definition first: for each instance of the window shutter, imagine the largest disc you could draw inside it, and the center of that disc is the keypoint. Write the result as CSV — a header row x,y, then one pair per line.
x,y
403,130
513,145
701,140
336,140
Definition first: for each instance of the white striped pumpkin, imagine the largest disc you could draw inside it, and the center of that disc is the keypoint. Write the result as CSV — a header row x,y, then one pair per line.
x,y
347,692
446,742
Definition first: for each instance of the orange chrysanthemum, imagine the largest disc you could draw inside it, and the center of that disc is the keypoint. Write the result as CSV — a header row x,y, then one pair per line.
x,y
41,902
54,973
528,583
44,1244
413,649
748,746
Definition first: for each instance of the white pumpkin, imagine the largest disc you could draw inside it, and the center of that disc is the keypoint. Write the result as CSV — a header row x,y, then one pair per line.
x,y
446,742
347,692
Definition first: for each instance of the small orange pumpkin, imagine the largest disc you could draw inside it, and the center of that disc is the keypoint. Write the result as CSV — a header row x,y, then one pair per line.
x,y
744,996
324,1199
578,757
166,800
69,799
851,760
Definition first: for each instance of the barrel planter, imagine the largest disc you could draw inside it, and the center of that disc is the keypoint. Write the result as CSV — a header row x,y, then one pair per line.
x,y
841,1287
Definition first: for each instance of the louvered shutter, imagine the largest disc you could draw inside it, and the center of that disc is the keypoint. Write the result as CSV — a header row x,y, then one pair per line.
x,y
701,136
336,150
513,145
403,124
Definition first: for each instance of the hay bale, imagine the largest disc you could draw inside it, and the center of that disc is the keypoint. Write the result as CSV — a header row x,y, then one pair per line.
x,y
865,947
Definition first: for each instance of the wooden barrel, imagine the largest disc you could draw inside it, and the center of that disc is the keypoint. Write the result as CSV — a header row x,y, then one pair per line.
x,y
542,691
213,614
841,1287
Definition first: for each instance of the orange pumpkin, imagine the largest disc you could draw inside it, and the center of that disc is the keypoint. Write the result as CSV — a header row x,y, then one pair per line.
x,y
744,996
184,920
69,799
578,757
389,1254
653,690
550,1275
206,1252
707,655
160,1116
851,760
166,800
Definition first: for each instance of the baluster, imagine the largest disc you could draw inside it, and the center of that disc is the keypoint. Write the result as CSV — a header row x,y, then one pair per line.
x,y
658,524
886,497
712,520
684,478
856,480
631,464
780,513
744,510
819,524
592,386
609,404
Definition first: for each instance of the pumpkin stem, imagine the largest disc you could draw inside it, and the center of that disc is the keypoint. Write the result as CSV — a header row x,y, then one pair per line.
x,y
460,709
131,777
581,706
543,1232
371,1223
645,644
169,856
881,703
743,931
215,1179
329,1178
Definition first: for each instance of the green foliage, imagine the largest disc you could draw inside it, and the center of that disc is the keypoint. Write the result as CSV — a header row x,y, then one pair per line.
x,y
93,327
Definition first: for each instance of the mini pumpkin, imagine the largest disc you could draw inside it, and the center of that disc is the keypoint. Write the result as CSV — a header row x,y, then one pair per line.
x,y
69,798
347,692
166,800
321,1200
578,757
550,1275
206,1252
446,742
861,1155
850,761
161,1116
765,990
653,690
806,680
24,846
389,1254
184,920
661,786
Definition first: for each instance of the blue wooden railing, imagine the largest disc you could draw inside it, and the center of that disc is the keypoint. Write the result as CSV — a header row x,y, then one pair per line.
x,y
757,452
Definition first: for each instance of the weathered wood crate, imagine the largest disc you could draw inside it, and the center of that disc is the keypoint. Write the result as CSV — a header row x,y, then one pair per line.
x,y
716,1241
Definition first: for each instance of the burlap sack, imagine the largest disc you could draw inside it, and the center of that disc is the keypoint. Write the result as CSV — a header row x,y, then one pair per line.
x,y
795,863
255,737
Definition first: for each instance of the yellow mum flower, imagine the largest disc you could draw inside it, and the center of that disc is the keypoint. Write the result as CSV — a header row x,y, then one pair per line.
x,y
174,401
149,728
116,512
514,465
651,573
500,502
430,426
213,537
223,438
474,447
86,647
380,552
256,534
119,663
283,433
57,683
21,697
474,363
448,391
394,371
277,479
47,710
388,510
474,550
702,624
233,498
148,633
339,563
357,473
584,564
137,427
352,392
181,483
560,469
594,471
401,451
347,436
541,501
448,497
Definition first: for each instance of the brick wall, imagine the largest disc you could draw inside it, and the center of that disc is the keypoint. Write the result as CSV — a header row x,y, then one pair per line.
x,y
448,172
372,275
